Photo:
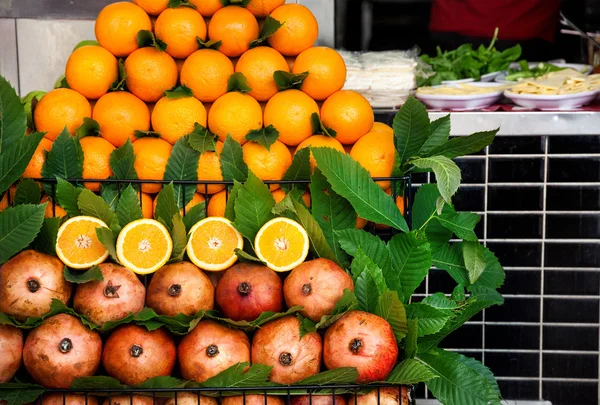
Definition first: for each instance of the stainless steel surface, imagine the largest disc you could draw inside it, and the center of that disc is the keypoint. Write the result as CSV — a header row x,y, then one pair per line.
x,y
9,67
52,9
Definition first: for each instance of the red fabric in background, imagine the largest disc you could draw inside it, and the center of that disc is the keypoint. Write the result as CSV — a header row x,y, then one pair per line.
x,y
516,19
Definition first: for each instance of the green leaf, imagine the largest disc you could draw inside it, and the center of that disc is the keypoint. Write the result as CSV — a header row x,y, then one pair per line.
x,y
431,320
440,301
286,80
166,206
253,206
411,261
427,203
300,167
474,257
162,382
318,244
179,237
194,215
19,394
108,240
270,27
61,83
439,131
447,174
183,165
450,258
143,318
145,134
247,257
208,44
319,128
342,375
94,206
93,274
181,3
179,92
13,120
236,376
45,240
202,140
64,160
119,84
411,129
391,309
353,240
238,82
363,262
29,103
87,42
332,213
493,276
89,127
28,192
350,180
230,206
306,325
232,161
410,371
18,228
458,294
128,207
461,223
147,38
98,382
347,303
110,194
459,382
122,162
367,291
67,196
410,343
264,136
15,158
465,145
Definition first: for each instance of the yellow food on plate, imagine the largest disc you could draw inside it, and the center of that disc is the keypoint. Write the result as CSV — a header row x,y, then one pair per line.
x,y
462,89
567,81
77,245
282,244
144,246
212,244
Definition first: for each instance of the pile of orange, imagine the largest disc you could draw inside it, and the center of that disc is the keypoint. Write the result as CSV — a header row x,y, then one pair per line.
x,y
229,32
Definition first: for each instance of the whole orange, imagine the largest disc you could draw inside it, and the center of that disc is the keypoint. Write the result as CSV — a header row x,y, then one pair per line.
x,y
207,7
150,73
209,168
267,164
147,206
91,70
206,73
318,141
151,157
376,151
179,28
299,32
381,127
196,199
217,204
96,160
61,108
34,168
52,210
174,118
326,71
235,27
117,27
8,198
262,8
120,114
152,7
234,114
349,114
279,195
258,66
290,113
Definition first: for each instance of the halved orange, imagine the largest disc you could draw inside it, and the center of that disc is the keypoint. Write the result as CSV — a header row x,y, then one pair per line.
x,y
282,244
144,246
77,245
212,244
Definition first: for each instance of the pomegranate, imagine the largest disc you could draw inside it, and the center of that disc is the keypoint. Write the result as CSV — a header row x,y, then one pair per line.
x,y
317,285
278,344
189,398
28,283
132,354
211,348
115,297
255,399
129,400
180,288
387,396
69,399
318,400
246,290
362,340
11,351
60,350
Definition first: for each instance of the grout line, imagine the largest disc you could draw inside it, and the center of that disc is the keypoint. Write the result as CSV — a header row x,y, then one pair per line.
x,y
485,235
540,184
538,296
542,263
18,64
532,156
538,240
549,379
530,351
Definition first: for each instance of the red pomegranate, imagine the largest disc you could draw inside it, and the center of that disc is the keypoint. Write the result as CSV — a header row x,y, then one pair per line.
x,y
132,354
28,283
247,290
180,288
318,400
189,398
362,340
129,400
317,285
278,344
253,399
211,348
115,297
11,352
387,396
60,350
66,399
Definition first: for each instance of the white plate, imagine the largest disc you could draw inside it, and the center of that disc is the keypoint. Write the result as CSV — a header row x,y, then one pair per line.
x,y
463,102
552,102
451,82
586,69
485,78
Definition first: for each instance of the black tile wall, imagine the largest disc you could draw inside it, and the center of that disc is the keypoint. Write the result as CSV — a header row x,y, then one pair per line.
x,y
512,336
523,282
514,364
515,198
470,199
572,393
574,170
563,365
515,310
573,226
564,198
522,389
570,338
514,226
511,145
516,170
472,170
574,144
517,254
580,310
573,255
571,282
